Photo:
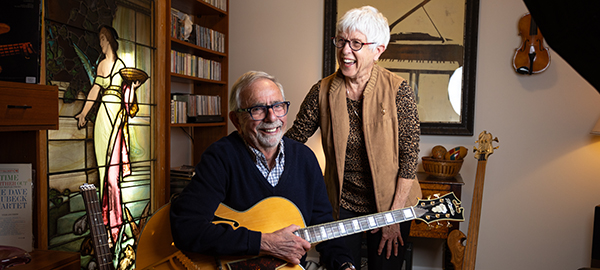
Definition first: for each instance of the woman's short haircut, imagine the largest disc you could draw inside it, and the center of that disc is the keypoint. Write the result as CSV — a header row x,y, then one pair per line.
x,y
367,20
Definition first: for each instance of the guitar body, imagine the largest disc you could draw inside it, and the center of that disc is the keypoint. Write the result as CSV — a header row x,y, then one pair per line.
x,y
275,213
455,242
156,242
156,249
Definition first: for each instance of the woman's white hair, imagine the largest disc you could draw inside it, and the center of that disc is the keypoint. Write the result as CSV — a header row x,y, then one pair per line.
x,y
369,21
246,80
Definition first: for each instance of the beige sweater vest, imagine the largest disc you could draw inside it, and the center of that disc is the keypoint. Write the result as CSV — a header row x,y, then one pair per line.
x,y
380,127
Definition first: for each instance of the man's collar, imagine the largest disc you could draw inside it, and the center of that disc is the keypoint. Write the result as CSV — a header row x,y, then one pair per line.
x,y
254,152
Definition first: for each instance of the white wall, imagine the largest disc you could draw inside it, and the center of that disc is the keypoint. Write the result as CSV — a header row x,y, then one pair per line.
x,y
282,38
541,185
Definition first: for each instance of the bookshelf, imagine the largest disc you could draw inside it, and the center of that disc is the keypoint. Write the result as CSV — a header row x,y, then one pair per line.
x,y
211,35
29,109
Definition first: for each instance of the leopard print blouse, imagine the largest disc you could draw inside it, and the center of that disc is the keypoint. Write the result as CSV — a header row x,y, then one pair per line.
x,y
357,191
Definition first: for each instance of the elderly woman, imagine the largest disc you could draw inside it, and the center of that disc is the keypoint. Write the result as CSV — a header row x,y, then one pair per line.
x,y
370,135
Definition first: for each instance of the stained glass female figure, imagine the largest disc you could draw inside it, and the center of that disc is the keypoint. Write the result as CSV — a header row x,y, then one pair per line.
x,y
116,85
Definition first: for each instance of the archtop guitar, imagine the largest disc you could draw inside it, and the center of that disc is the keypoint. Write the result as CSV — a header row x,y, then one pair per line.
x,y
157,251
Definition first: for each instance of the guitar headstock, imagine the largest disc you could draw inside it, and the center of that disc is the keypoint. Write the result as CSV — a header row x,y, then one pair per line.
x,y
446,207
87,187
485,148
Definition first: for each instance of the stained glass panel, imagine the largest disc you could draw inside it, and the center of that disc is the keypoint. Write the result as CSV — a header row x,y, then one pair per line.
x,y
96,53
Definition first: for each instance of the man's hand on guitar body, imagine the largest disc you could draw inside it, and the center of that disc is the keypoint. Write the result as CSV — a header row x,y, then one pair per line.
x,y
284,244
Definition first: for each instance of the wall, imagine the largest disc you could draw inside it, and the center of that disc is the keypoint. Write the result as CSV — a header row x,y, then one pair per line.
x,y
541,184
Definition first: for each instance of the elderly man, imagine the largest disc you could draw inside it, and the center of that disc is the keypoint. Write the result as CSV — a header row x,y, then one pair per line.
x,y
249,165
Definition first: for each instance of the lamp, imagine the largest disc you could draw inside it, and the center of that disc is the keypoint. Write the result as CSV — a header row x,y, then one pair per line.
x,y
596,129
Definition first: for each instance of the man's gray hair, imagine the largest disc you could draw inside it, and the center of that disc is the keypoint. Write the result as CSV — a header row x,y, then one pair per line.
x,y
243,82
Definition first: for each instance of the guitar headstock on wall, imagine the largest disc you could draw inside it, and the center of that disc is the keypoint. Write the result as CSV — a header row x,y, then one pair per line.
x,y
446,207
485,148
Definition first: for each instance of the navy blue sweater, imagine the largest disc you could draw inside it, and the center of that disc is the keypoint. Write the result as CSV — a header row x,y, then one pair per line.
x,y
227,174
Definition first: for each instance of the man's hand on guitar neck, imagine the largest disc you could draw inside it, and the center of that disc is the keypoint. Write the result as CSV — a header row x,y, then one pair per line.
x,y
284,244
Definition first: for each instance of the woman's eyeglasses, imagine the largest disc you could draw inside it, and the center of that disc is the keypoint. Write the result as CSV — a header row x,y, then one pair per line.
x,y
355,45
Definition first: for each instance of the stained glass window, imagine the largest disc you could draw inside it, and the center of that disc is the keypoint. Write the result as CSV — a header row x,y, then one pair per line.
x,y
100,54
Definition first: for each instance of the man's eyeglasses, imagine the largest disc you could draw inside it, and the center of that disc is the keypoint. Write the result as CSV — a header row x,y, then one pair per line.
x,y
355,45
280,109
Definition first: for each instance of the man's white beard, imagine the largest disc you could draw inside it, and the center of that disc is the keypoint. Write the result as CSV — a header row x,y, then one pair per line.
x,y
268,141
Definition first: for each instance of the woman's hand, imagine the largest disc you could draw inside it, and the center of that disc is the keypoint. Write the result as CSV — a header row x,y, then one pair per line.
x,y
284,244
135,85
92,96
81,121
390,238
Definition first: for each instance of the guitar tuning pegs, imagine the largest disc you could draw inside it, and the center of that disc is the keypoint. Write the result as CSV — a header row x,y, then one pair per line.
x,y
438,225
448,224
437,195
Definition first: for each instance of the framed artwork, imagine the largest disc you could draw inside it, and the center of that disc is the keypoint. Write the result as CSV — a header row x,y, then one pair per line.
x,y
20,34
433,45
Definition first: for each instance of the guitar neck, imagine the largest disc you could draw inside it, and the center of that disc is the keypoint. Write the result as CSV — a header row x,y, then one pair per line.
x,y
12,49
97,229
332,230
475,218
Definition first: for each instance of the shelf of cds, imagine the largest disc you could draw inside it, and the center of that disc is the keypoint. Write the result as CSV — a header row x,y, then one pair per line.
x,y
195,66
182,28
180,178
187,108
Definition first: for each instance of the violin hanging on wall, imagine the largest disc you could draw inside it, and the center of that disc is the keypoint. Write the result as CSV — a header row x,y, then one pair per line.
x,y
532,57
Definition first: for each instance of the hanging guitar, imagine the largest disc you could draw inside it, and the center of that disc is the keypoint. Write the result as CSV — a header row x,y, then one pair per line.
x,y
25,48
98,232
532,57
156,249
463,257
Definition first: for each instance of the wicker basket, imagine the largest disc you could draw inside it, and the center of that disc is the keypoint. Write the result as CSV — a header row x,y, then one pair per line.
x,y
442,168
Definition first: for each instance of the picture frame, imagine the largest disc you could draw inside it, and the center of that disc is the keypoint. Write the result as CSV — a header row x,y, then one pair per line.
x,y
457,53
20,35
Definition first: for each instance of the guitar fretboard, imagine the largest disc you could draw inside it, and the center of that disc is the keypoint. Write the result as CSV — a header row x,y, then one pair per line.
x,y
12,49
332,230
97,229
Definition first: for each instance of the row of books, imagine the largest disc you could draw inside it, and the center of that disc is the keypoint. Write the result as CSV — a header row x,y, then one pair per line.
x,y
178,112
189,108
199,35
207,38
200,104
220,4
180,178
196,66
